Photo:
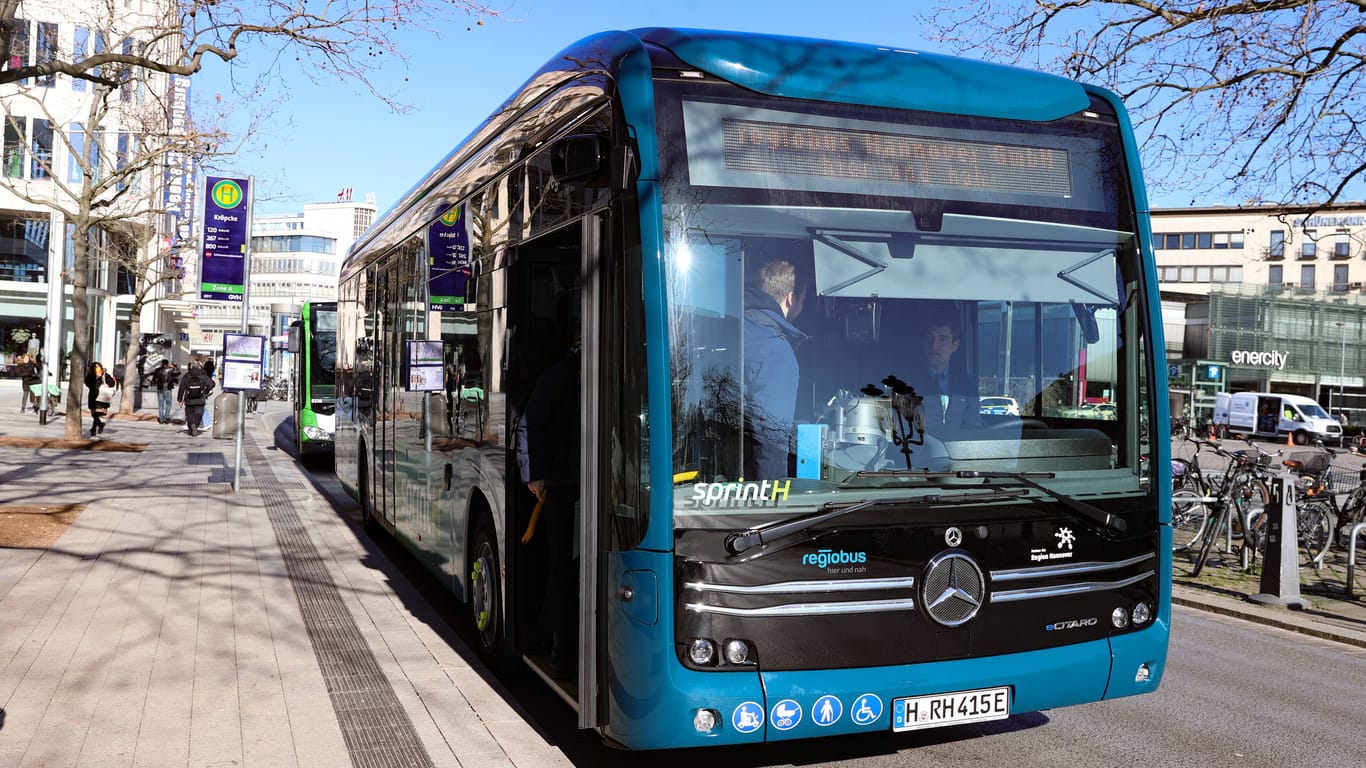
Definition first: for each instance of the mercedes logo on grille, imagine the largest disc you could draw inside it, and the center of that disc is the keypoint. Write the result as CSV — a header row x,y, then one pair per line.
x,y
953,537
953,589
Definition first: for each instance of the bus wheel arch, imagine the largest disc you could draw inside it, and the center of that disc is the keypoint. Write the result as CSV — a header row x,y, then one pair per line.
x,y
485,595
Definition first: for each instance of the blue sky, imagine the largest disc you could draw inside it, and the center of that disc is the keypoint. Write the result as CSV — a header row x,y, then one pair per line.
x,y
329,136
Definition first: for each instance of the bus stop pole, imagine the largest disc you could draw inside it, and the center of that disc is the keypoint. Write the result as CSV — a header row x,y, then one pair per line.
x,y
246,316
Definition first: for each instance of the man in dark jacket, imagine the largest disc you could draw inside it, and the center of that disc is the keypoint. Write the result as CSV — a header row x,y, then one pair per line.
x,y
165,384
770,369
548,456
193,393
950,395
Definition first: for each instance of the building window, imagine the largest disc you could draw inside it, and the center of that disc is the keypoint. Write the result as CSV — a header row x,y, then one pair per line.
x,y
1202,274
1342,247
16,143
1307,277
1339,277
42,149
101,43
47,50
80,48
122,147
18,45
1277,249
74,172
1275,275
1309,248
23,248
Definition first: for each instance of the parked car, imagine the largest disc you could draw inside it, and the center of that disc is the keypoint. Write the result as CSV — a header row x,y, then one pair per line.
x,y
999,406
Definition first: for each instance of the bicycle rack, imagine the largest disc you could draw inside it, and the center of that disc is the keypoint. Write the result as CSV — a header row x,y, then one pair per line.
x,y
1352,555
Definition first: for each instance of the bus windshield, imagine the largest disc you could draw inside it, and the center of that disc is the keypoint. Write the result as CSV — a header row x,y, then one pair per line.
x,y
323,351
867,301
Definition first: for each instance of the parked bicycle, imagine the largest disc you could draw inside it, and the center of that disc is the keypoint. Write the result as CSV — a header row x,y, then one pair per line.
x,y
1181,428
278,388
1318,511
1209,506
1196,491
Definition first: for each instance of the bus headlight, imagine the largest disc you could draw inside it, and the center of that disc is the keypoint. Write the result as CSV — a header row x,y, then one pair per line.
x,y
737,651
317,433
702,652
1141,614
1119,617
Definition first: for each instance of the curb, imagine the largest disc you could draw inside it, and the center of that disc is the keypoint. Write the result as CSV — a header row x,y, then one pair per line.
x,y
1229,607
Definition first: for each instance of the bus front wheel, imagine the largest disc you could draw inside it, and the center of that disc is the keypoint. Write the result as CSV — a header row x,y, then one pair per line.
x,y
485,597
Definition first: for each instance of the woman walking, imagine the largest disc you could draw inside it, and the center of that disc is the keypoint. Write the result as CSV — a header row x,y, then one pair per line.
x,y
99,385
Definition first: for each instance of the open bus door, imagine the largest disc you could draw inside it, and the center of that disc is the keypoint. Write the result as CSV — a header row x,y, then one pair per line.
x,y
558,306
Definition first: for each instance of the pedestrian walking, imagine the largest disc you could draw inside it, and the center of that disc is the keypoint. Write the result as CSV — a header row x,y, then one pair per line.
x,y
194,390
163,378
28,376
210,368
99,385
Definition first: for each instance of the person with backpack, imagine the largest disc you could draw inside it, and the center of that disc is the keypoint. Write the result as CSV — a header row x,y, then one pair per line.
x,y
162,378
194,391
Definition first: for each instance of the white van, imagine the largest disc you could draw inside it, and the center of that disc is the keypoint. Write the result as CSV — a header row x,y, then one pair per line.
x,y
1267,414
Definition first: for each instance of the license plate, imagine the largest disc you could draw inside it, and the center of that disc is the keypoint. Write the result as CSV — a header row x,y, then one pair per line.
x,y
956,708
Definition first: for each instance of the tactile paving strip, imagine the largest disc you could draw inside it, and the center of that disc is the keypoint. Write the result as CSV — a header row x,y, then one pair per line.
x,y
377,730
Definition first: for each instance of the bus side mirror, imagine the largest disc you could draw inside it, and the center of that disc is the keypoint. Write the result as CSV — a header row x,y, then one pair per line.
x,y
295,339
579,157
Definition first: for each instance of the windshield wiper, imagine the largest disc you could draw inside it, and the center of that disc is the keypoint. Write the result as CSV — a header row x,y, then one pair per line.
x,y
1085,509
739,543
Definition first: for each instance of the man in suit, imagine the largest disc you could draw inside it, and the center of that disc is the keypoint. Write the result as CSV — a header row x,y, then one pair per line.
x,y
771,373
950,394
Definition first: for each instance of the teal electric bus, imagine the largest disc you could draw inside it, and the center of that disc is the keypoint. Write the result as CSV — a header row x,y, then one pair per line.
x,y
313,346
671,298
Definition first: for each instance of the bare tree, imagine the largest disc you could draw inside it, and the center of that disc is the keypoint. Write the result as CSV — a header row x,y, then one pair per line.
x,y
116,145
100,156
1255,101
348,40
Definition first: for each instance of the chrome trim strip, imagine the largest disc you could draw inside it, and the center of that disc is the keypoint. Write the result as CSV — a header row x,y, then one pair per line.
x,y
808,609
789,587
1067,569
1034,593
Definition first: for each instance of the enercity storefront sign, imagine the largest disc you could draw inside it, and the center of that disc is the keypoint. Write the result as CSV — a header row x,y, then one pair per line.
x,y
1274,359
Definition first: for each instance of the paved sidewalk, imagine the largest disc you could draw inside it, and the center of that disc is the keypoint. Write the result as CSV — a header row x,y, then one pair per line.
x,y
179,623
